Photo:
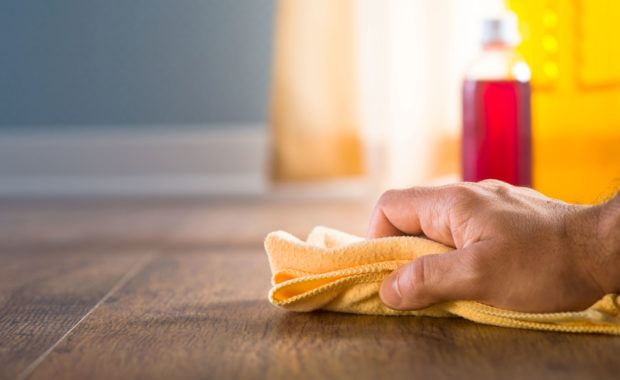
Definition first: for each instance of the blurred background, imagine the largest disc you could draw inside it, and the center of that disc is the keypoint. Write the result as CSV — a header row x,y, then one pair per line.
x,y
289,98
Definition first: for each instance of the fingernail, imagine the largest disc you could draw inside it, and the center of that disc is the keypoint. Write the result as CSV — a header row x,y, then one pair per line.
x,y
389,292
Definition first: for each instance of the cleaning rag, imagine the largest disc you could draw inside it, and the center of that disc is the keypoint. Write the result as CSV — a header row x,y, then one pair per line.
x,y
336,271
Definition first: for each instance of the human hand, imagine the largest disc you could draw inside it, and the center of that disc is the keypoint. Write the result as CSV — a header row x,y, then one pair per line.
x,y
515,248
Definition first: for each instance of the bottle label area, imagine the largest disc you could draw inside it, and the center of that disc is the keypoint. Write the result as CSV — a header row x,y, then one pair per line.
x,y
497,131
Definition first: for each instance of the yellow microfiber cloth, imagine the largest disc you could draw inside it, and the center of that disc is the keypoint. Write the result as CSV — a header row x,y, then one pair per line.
x,y
336,271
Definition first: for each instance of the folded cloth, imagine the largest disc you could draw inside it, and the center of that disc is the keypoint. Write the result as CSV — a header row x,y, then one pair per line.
x,y
336,271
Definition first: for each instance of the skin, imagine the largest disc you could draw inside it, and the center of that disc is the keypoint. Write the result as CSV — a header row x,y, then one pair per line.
x,y
515,248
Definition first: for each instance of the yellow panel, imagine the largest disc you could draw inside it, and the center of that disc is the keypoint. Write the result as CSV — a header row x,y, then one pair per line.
x,y
573,49
598,37
536,20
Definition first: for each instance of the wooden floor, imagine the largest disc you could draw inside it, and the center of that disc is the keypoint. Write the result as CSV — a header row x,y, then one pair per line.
x,y
178,289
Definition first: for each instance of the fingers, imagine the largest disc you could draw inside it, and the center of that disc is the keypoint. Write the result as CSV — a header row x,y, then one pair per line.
x,y
412,212
432,279
381,226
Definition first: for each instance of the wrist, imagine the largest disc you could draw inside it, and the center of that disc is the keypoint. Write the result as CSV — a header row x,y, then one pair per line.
x,y
608,240
595,232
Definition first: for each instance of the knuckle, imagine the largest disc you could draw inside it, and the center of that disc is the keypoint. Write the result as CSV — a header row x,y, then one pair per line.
x,y
464,194
498,188
416,191
386,197
493,182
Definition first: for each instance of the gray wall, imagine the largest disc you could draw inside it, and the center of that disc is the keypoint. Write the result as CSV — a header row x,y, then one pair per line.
x,y
143,62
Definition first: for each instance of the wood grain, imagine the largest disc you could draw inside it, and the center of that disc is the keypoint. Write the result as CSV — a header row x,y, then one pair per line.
x,y
182,223
205,315
44,294
198,307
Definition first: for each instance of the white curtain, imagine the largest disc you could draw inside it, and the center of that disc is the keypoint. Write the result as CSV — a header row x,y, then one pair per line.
x,y
411,57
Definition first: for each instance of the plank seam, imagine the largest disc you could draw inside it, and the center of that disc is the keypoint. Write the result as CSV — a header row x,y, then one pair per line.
x,y
137,267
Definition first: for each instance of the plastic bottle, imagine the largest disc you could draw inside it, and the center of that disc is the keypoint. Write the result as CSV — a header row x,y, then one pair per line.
x,y
496,108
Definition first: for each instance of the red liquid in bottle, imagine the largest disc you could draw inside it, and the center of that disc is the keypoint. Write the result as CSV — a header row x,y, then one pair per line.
x,y
497,131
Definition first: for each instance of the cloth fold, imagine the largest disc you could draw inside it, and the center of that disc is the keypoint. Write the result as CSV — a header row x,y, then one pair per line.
x,y
336,271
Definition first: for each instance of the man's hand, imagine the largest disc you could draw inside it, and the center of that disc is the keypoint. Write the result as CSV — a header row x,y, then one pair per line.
x,y
515,248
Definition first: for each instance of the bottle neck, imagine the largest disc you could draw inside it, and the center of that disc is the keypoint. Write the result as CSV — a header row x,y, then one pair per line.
x,y
499,61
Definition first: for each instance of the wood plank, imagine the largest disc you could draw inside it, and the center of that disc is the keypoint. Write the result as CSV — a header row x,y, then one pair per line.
x,y
46,292
247,222
204,314
72,224
183,223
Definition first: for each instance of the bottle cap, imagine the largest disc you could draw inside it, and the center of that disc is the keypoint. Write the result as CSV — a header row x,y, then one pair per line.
x,y
503,29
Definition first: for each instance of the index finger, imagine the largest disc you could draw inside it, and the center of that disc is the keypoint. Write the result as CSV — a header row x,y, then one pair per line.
x,y
414,211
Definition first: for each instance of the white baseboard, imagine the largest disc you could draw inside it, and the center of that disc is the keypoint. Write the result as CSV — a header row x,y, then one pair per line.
x,y
170,160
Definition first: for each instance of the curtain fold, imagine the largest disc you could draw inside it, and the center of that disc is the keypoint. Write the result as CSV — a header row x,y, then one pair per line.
x,y
315,132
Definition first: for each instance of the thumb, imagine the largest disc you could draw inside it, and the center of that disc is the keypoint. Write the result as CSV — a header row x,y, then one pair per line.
x,y
431,279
